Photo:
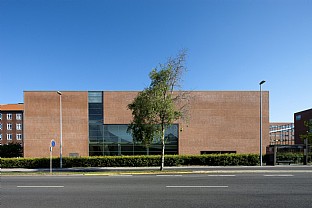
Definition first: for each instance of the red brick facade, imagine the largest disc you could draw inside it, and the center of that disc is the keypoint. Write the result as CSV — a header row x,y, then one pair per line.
x,y
300,128
42,123
11,123
219,121
225,121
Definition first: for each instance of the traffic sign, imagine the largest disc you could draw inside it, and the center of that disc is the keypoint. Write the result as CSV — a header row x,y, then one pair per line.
x,y
52,143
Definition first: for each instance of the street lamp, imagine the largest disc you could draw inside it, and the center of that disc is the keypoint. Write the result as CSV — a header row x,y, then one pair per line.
x,y
61,132
262,82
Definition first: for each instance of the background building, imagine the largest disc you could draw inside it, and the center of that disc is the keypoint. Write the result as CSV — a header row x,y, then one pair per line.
x,y
95,123
282,134
11,123
300,128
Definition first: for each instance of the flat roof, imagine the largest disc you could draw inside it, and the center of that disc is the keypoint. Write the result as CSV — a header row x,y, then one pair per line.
x,y
304,111
12,107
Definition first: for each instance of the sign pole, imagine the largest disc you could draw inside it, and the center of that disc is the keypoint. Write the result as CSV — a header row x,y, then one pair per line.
x,y
52,144
51,160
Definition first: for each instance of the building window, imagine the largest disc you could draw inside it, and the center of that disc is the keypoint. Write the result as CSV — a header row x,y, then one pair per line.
x,y
113,139
19,116
0,136
0,126
18,126
18,136
95,100
9,116
298,117
9,136
9,126
0,116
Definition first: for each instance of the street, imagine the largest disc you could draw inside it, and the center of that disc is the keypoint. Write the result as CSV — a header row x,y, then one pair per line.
x,y
190,190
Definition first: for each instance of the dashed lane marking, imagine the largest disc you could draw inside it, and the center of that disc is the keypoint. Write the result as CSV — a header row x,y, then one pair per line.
x,y
40,186
197,186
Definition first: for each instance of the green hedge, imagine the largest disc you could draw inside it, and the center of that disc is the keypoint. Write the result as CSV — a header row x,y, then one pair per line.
x,y
149,161
296,157
134,161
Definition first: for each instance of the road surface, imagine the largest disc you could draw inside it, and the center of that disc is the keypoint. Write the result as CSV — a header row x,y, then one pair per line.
x,y
187,190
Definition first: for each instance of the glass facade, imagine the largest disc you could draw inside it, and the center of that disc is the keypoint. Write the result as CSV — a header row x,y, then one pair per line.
x,y
282,134
95,103
113,139
95,107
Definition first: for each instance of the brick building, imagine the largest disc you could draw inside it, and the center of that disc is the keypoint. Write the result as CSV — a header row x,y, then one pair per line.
x,y
300,128
11,123
95,123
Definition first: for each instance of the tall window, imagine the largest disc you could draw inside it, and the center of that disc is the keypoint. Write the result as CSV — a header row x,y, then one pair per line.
x,y
0,136
0,116
9,126
95,102
18,136
9,136
18,116
18,126
0,126
9,116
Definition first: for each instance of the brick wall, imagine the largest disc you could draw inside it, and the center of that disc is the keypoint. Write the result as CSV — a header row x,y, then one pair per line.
x,y
219,121
42,123
300,128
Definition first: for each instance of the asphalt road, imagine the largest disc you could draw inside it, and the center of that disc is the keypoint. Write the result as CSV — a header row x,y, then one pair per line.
x,y
189,190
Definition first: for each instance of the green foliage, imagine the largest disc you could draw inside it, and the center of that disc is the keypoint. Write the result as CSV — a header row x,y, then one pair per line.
x,y
26,162
295,157
134,161
142,127
308,135
11,150
154,109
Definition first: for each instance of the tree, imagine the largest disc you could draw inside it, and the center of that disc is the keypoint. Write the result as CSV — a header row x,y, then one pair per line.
x,y
11,150
157,107
308,135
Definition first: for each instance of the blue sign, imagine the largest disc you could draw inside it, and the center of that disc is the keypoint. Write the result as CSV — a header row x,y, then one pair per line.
x,y
52,143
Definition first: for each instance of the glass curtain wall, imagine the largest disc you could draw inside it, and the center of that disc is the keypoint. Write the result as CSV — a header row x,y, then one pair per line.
x,y
95,101
282,134
117,141
113,139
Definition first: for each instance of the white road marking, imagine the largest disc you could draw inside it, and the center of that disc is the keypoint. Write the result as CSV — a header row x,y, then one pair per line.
x,y
278,175
197,186
222,175
40,186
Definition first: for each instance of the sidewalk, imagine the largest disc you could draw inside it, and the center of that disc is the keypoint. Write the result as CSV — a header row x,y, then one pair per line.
x,y
186,169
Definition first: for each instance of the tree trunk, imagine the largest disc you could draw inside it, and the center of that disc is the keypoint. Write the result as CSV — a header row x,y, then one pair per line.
x,y
163,150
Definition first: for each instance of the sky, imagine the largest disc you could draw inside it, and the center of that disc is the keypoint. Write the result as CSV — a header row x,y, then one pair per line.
x,y
113,45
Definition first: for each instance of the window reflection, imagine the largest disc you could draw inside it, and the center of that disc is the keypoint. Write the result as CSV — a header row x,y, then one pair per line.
x,y
110,139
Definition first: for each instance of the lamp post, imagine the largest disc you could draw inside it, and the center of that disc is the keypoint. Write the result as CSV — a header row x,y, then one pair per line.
x,y
61,132
262,82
